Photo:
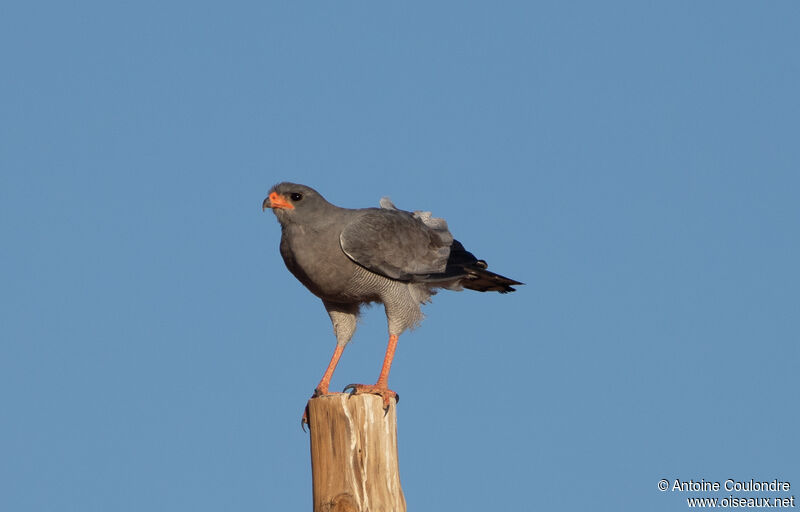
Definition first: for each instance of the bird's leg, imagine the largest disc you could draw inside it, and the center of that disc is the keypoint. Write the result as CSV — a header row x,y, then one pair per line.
x,y
383,378
322,387
381,387
324,384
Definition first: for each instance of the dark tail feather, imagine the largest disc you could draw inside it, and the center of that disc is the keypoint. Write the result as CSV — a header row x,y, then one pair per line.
x,y
463,263
480,279
470,272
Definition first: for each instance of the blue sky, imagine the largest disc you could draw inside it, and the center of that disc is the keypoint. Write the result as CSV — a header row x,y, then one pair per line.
x,y
636,164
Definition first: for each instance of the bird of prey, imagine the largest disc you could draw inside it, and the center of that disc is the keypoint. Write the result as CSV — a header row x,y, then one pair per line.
x,y
351,257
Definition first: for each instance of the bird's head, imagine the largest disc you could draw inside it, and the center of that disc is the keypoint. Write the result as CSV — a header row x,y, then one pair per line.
x,y
291,202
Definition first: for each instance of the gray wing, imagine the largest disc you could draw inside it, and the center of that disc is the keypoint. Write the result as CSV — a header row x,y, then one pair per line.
x,y
397,244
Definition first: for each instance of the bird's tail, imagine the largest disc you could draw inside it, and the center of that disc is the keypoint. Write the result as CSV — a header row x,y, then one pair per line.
x,y
464,270
480,279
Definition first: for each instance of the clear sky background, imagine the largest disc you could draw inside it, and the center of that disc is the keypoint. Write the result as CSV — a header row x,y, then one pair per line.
x,y
637,164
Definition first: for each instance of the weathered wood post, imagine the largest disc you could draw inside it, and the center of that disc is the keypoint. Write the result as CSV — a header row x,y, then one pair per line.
x,y
354,454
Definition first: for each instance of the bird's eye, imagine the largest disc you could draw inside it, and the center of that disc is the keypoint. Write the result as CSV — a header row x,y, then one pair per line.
x,y
295,196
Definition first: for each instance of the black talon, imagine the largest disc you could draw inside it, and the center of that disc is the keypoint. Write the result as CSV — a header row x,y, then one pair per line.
x,y
352,387
396,401
304,420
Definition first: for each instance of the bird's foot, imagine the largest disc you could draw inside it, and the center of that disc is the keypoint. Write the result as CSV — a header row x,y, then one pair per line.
x,y
374,389
317,393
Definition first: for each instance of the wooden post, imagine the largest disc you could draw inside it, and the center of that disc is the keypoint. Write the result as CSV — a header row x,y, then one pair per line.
x,y
354,454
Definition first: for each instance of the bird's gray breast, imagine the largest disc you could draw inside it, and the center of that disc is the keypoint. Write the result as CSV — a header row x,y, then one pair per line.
x,y
316,260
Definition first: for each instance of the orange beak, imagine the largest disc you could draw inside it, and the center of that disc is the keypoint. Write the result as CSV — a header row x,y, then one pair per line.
x,y
276,200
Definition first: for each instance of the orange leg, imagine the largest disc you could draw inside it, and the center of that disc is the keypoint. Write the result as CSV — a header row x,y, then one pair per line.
x,y
383,378
322,387
324,384
382,386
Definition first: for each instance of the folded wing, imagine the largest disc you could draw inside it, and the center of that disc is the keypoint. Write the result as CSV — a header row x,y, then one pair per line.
x,y
397,244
